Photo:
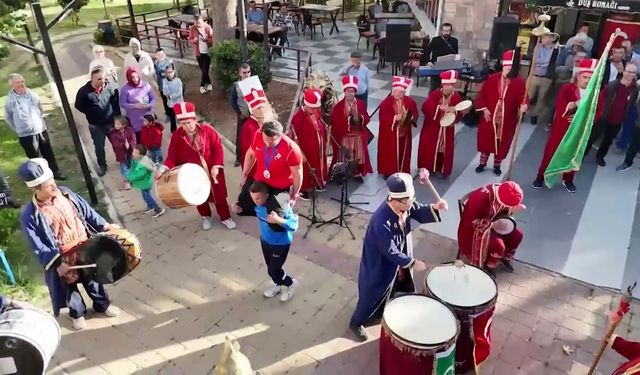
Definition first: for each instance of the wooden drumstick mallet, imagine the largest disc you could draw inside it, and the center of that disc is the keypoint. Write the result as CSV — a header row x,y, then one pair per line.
x,y
93,265
424,179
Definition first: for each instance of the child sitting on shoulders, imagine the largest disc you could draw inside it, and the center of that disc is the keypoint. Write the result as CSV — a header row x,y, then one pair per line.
x,y
123,140
141,177
151,137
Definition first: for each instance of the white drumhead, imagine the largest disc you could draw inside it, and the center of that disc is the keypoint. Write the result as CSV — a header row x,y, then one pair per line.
x,y
464,287
420,319
194,184
448,119
463,105
509,225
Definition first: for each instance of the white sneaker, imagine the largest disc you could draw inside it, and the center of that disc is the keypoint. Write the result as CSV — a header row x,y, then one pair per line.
x,y
112,311
209,87
149,210
230,224
203,90
206,223
286,292
272,292
79,323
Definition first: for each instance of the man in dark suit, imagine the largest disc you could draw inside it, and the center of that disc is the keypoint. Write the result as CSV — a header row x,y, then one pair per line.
x,y
442,45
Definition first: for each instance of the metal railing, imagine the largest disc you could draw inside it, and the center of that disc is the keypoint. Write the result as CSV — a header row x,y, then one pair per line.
x,y
158,32
430,9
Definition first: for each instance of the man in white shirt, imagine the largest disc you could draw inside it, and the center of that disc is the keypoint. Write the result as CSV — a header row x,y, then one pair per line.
x,y
355,68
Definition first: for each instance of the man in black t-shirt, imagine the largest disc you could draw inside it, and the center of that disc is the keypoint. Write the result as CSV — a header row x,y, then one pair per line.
x,y
442,45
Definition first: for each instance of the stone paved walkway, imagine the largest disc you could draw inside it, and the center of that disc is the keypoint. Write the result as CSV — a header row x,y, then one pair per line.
x,y
193,288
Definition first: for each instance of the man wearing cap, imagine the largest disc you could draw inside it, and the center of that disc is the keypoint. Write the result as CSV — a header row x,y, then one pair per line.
x,y
398,115
278,162
501,101
349,120
200,143
387,262
309,132
479,240
566,105
56,222
435,151
361,72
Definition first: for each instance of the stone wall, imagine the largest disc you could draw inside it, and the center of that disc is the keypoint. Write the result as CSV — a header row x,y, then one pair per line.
x,y
472,22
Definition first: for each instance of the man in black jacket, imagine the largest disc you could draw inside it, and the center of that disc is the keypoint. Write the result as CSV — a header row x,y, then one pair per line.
x,y
239,105
442,45
99,103
616,99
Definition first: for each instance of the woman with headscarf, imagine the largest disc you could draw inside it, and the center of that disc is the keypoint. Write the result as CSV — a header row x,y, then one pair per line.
x,y
110,70
137,99
138,58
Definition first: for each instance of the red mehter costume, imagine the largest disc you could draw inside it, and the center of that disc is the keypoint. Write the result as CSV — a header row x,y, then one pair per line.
x,y
254,95
394,138
204,149
311,135
478,243
247,133
502,96
435,152
631,351
568,93
349,121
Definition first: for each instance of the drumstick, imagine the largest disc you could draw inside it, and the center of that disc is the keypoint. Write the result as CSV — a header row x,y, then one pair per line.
x,y
93,265
432,188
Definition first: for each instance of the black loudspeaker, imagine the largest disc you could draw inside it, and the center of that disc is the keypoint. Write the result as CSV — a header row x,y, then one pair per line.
x,y
397,41
503,36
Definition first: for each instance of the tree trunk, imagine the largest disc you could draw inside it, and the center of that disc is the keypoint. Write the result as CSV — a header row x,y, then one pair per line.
x,y
223,13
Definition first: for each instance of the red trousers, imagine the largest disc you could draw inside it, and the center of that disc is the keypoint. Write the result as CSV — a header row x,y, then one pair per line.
x,y
222,208
502,246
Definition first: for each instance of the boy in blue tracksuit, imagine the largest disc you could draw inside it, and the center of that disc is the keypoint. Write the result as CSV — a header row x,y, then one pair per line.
x,y
275,244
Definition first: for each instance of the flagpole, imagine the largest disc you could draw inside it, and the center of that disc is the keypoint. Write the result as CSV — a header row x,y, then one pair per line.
x,y
617,316
538,32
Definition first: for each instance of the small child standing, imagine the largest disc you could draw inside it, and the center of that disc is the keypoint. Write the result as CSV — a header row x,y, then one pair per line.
x,y
174,91
141,177
151,137
123,140
275,244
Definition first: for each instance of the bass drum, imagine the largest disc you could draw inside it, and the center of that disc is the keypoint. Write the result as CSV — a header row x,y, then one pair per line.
x,y
28,340
115,252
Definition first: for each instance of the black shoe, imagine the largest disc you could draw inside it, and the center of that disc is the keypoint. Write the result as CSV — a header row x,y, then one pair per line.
x,y
507,264
600,161
538,184
480,168
360,333
534,120
304,196
571,188
59,176
497,171
623,167
101,171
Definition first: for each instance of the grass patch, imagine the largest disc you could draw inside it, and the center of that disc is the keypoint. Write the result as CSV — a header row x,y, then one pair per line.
x,y
93,12
27,270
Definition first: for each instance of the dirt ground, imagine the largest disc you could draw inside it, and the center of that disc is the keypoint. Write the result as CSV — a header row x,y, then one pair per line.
x,y
215,106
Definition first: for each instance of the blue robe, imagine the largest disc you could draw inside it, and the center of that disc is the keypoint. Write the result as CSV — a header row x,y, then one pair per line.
x,y
385,248
43,244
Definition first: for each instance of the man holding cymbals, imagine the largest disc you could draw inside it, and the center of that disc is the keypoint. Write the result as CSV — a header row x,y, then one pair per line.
x,y
387,262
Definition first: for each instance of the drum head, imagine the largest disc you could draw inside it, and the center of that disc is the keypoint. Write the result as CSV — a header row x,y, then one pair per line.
x,y
420,320
108,254
194,184
468,286
509,225
464,105
447,120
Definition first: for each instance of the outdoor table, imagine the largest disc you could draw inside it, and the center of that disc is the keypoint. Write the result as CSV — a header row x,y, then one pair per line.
x,y
259,29
332,10
394,16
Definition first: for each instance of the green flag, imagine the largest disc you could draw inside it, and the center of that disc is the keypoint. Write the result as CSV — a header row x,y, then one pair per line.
x,y
446,362
568,155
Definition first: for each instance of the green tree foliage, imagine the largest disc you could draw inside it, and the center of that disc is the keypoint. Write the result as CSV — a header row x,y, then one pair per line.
x,y
11,21
74,13
226,57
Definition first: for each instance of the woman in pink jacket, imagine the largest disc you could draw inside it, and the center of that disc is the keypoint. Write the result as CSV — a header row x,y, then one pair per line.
x,y
201,36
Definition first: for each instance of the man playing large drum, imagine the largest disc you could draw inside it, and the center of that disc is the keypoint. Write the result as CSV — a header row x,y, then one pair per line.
x,y
199,143
484,235
56,223
387,254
